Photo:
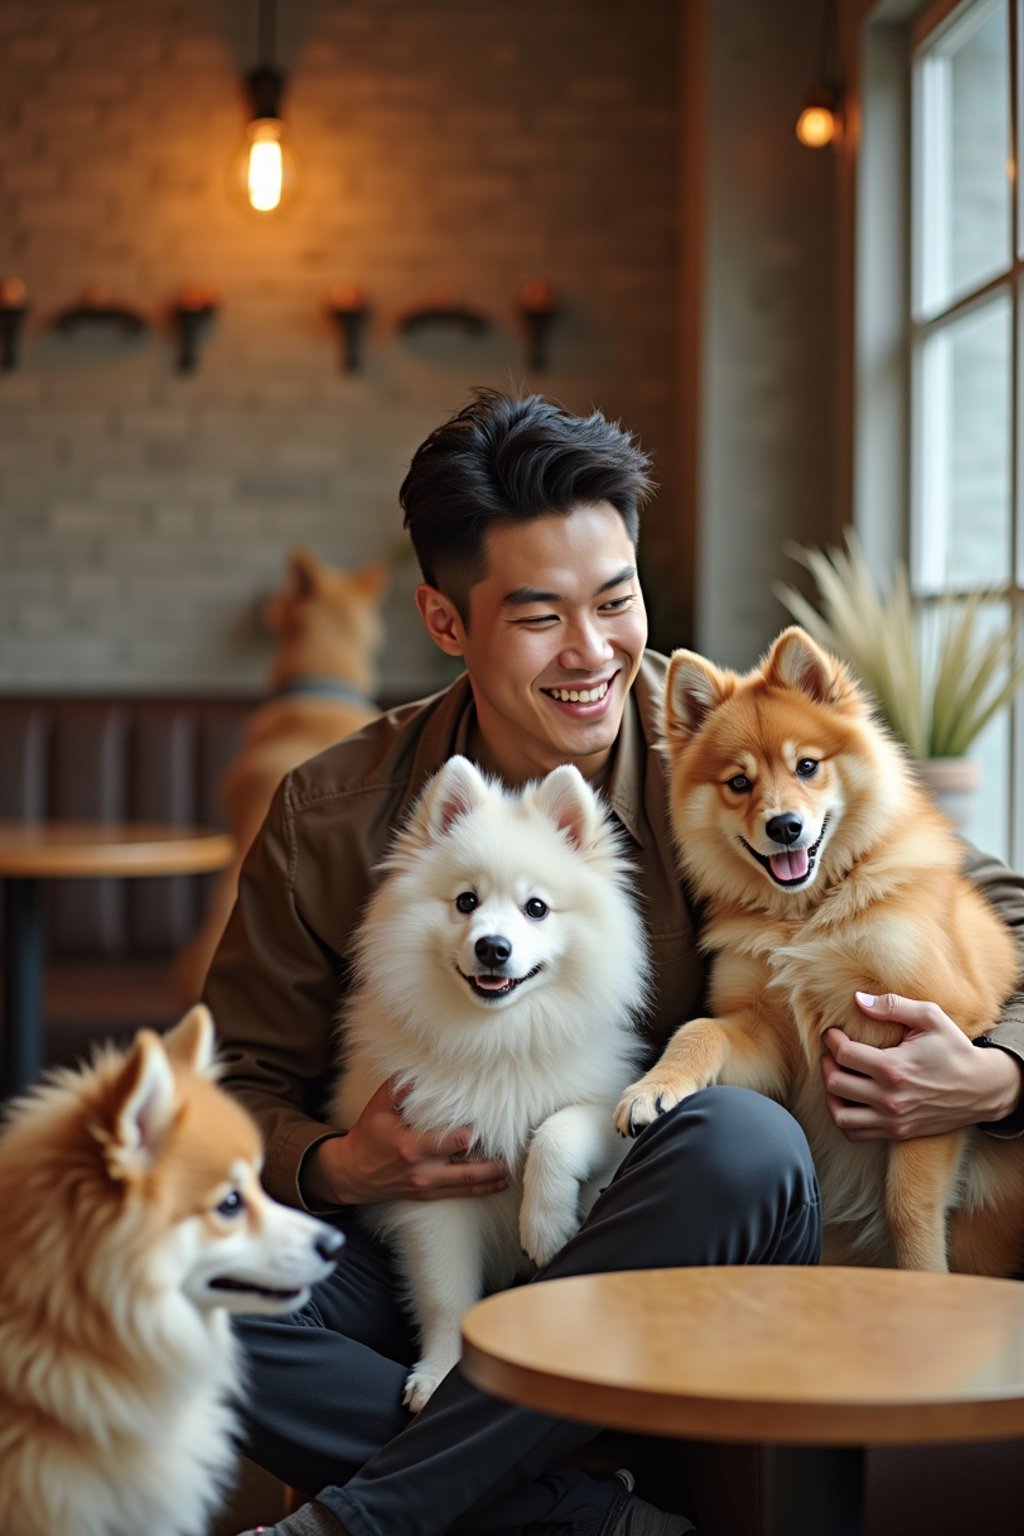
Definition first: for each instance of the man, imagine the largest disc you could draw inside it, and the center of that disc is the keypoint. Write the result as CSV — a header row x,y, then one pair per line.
x,y
524,520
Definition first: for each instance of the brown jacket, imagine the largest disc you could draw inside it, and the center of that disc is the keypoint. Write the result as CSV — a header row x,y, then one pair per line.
x,y
276,981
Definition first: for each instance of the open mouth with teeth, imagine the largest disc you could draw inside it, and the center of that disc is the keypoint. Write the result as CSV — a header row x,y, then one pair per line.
x,y
791,866
595,694
491,988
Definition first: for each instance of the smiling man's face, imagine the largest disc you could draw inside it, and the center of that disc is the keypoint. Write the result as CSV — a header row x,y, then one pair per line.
x,y
555,634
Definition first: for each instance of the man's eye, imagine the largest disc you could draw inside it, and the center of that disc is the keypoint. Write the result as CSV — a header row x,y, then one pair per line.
x,y
536,620
232,1205
467,901
740,784
806,768
618,603
536,908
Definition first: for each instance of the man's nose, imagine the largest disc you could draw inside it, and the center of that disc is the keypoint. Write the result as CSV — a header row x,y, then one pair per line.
x,y
586,645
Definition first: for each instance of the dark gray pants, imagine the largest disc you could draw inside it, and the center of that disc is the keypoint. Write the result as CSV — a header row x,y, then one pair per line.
x,y
725,1178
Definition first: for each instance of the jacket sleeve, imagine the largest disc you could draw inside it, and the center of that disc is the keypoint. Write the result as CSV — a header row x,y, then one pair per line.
x,y
1005,890
273,989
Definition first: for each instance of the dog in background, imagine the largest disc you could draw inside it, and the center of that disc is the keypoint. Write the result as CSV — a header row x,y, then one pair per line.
x,y
499,970
826,869
328,630
132,1223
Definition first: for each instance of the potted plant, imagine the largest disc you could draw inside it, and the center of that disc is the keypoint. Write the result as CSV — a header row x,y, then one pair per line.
x,y
937,685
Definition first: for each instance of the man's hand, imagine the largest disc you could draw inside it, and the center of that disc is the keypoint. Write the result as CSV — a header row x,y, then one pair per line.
x,y
381,1158
933,1081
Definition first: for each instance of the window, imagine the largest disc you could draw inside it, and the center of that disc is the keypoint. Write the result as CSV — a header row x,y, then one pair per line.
x,y
964,324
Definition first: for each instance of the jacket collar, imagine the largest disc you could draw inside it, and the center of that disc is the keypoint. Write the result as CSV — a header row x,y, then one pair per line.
x,y
448,732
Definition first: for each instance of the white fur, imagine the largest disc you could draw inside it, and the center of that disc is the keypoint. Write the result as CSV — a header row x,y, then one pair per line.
x,y
118,1368
536,1072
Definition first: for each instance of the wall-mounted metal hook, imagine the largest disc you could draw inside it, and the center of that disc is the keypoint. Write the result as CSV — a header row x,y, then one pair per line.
x,y
349,308
13,309
539,306
192,312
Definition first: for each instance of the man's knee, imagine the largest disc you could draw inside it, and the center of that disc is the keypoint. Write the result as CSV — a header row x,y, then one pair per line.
x,y
735,1150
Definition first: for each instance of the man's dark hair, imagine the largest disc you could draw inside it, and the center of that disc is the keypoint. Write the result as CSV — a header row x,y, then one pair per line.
x,y
502,460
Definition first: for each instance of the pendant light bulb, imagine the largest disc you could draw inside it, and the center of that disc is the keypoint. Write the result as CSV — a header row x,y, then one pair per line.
x,y
264,178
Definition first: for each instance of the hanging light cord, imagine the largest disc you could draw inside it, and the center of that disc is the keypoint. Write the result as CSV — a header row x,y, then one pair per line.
x,y
266,33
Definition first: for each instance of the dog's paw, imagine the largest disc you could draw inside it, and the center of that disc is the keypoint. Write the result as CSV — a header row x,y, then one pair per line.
x,y
643,1102
419,1387
544,1231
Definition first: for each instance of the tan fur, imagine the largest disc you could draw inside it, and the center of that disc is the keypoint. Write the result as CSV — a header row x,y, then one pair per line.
x,y
885,909
127,1190
327,625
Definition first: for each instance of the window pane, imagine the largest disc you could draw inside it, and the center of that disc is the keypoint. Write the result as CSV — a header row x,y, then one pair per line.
x,y
962,154
962,509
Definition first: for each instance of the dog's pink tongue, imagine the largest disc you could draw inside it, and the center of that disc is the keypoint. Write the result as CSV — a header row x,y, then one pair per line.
x,y
492,983
790,866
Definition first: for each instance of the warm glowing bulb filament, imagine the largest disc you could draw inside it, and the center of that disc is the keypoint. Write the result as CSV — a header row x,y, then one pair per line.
x,y
265,176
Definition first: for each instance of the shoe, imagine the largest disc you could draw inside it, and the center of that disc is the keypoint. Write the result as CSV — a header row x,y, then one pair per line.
x,y
639,1518
313,1519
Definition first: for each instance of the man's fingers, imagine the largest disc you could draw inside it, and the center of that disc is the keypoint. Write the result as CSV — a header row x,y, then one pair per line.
x,y
858,1122
442,1180
854,1055
910,1011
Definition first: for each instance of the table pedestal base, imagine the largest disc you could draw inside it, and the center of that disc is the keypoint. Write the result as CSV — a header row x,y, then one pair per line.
x,y
814,1490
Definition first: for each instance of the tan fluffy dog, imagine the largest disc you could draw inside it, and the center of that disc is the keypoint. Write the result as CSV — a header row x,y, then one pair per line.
x,y
328,630
825,870
132,1222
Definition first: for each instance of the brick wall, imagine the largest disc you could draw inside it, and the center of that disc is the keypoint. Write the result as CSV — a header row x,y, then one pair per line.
x,y
477,145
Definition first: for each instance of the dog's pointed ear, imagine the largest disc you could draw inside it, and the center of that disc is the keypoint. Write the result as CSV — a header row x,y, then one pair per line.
x,y
304,570
566,798
798,662
456,789
141,1110
191,1042
693,689
372,579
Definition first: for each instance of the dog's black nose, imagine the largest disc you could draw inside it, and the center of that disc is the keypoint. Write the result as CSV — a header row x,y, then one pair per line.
x,y
785,829
328,1242
492,949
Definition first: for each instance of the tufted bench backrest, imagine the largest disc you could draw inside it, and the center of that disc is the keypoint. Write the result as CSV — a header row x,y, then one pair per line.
x,y
118,759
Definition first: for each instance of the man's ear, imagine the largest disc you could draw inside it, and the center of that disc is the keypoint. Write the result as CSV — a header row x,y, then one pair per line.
x,y
442,620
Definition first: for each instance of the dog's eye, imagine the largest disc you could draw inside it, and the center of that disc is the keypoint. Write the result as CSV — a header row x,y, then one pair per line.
x,y
536,908
806,768
467,901
232,1205
740,784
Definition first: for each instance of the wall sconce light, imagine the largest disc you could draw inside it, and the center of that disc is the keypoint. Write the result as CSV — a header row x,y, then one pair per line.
x,y
264,170
13,308
820,119
349,308
539,305
192,311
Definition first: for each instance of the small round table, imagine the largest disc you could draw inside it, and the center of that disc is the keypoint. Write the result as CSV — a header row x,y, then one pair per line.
x,y
34,852
822,1361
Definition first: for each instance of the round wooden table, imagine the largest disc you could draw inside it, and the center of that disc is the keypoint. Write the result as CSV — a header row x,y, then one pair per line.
x,y
34,852
831,1359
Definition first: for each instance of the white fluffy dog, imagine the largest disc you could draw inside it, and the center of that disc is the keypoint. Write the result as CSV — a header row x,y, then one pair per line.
x,y
499,969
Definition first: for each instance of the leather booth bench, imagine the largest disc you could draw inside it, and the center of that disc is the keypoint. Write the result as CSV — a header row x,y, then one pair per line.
x,y
112,942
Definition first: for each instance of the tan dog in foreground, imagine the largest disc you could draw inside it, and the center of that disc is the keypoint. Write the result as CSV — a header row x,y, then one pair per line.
x,y
328,629
132,1223
827,870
